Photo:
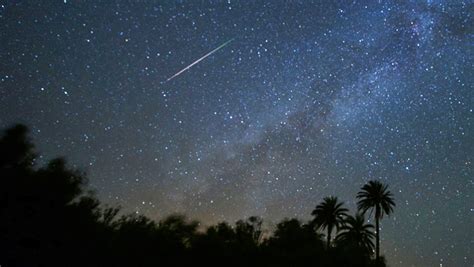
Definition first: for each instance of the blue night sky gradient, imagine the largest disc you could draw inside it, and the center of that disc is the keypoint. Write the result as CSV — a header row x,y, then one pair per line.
x,y
310,99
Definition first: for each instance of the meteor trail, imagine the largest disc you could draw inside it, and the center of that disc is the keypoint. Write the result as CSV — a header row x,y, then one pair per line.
x,y
201,58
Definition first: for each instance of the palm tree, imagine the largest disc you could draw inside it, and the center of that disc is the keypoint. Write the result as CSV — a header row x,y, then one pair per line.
x,y
375,196
358,233
329,214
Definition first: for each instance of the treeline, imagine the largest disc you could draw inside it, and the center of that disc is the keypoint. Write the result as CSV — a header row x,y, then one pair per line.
x,y
48,218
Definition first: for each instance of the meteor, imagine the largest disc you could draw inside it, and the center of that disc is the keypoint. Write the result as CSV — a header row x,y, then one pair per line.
x,y
201,58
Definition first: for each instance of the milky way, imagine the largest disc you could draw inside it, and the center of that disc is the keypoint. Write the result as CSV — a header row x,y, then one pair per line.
x,y
310,99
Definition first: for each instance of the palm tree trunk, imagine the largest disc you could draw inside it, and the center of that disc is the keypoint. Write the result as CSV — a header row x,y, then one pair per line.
x,y
329,238
377,236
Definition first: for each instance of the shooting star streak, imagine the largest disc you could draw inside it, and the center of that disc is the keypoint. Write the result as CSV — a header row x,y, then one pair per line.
x,y
197,61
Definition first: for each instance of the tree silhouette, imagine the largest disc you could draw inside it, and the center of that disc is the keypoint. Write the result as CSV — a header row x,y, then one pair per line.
x,y
49,218
329,214
291,233
357,232
17,151
375,196
177,231
45,216
250,230
215,245
293,243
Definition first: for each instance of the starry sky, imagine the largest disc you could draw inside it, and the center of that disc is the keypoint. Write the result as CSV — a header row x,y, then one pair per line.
x,y
309,99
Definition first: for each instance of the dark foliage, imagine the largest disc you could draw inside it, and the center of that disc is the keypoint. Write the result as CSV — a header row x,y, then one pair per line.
x,y
47,218
375,196
329,214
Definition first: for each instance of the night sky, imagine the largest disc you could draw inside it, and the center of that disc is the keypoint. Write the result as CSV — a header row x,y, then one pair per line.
x,y
308,99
